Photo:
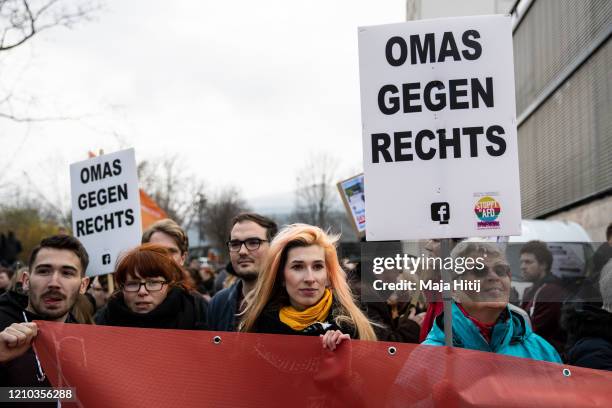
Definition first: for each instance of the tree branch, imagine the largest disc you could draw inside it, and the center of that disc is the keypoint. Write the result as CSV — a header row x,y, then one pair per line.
x,y
28,22
25,119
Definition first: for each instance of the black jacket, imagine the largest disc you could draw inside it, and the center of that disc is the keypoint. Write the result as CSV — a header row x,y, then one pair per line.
x,y
180,310
206,287
601,257
401,329
545,299
269,322
22,371
589,332
224,307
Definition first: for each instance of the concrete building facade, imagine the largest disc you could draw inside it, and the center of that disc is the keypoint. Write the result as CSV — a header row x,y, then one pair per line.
x,y
562,59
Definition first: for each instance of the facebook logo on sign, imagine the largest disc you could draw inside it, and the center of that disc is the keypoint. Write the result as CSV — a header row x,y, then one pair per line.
x,y
106,259
440,212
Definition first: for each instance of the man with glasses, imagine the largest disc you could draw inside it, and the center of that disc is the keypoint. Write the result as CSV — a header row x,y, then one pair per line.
x,y
55,278
248,245
482,319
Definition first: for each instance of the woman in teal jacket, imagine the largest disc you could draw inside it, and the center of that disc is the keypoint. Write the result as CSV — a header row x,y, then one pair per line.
x,y
482,319
511,335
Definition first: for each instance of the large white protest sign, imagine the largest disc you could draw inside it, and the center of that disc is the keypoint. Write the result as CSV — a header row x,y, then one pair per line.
x,y
439,129
106,207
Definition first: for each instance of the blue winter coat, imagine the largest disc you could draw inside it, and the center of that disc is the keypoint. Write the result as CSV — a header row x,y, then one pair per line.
x,y
513,337
224,307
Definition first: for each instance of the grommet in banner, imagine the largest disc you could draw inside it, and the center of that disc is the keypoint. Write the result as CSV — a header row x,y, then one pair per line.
x,y
217,339
567,372
392,350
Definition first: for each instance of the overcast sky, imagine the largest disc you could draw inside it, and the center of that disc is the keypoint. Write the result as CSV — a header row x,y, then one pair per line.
x,y
241,90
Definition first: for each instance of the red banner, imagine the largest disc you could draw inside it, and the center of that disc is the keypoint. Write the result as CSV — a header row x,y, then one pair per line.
x,y
130,367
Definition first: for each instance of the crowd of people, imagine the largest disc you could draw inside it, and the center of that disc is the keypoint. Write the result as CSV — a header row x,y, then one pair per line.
x,y
292,282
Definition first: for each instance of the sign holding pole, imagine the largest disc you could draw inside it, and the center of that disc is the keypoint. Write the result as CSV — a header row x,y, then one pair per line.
x,y
106,207
439,129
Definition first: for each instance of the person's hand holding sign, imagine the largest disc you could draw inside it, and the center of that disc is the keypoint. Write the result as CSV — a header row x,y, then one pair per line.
x,y
332,338
16,339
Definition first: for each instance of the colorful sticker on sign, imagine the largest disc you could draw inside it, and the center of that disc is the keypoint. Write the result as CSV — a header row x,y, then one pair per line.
x,y
487,210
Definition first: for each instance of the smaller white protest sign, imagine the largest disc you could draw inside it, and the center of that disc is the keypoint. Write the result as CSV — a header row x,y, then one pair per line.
x,y
106,207
353,197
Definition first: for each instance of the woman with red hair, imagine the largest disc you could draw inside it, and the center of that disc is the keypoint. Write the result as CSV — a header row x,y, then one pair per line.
x,y
152,293
303,290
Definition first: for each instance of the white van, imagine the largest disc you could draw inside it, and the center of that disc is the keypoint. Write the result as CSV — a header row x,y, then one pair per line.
x,y
551,231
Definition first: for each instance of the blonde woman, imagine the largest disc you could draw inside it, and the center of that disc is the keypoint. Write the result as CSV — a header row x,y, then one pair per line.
x,y
303,290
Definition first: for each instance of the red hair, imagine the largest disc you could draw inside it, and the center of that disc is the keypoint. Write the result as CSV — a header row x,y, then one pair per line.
x,y
149,261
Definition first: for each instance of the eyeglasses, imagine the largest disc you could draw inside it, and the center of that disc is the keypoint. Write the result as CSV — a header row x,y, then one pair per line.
x,y
501,270
251,244
150,285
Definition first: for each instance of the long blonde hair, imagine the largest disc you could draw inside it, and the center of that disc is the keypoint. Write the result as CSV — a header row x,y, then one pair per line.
x,y
269,288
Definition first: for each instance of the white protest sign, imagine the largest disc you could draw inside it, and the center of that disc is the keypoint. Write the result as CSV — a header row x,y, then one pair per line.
x,y
352,194
106,207
439,129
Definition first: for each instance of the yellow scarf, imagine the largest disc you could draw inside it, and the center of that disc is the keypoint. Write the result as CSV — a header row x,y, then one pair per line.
x,y
300,320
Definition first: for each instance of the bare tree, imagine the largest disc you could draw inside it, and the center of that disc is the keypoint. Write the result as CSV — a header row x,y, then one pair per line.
x,y
21,20
44,188
176,191
315,193
218,213
54,204
29,217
